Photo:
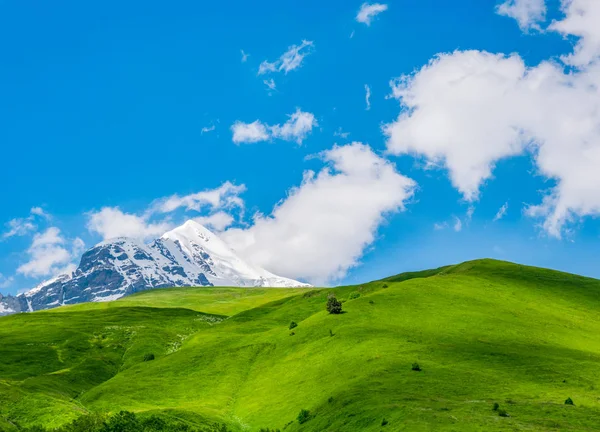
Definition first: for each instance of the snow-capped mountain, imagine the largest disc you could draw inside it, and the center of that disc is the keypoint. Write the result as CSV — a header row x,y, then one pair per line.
x,y
189,255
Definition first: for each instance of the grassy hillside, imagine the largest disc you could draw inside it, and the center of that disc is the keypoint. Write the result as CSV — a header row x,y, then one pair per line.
x,y
483,332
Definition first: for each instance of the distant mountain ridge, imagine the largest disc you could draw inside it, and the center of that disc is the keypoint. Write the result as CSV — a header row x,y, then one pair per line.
x,y
189,255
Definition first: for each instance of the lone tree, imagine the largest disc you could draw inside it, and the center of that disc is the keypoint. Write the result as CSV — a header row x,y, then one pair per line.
x,y
334,306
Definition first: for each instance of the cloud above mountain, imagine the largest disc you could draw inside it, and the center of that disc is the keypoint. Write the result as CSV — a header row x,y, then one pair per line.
x,y
325,224
112,222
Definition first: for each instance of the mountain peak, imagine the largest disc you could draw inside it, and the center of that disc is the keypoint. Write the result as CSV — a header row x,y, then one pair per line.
x,y
190,229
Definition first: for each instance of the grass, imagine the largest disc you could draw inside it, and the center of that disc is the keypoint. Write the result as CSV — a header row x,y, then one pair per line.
x,y
482,332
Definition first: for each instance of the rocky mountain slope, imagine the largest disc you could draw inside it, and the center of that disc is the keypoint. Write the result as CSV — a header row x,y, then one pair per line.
x,y
189,255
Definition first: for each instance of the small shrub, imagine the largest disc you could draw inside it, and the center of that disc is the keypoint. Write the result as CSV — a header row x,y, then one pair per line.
x,y
149,357
293,325
416,367
371,302
354,295
292,333
496,406
330,399
384,422
502,413
334,306
303,416
569,401
385,285
331,333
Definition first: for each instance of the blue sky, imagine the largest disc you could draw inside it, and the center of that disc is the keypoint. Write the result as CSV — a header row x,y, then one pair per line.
x,y
103,106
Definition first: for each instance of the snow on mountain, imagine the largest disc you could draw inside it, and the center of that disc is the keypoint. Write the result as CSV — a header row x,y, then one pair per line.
x,y
40,287
200,247
189,255
5,310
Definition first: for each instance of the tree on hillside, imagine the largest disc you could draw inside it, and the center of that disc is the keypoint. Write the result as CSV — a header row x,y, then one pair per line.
x,y
334,306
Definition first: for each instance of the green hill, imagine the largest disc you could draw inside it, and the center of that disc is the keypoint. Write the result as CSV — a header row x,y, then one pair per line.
x,y
482,332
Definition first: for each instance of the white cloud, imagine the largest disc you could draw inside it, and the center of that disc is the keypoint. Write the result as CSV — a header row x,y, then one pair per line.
x,y
368,97
340,133
244,56
207,129
19,227
217,221
443,119
289,61
368,11
296,128
249,132
501,212
470,212
527,13
270,83
582,18
50,254
24,226
225,196
457,224
38,211
468,110
324,225
111,222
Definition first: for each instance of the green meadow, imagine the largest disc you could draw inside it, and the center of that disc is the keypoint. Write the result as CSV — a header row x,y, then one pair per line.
x,y
482,333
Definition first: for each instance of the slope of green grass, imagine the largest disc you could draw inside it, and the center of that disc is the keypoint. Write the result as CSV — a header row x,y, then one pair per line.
x,y
482,332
